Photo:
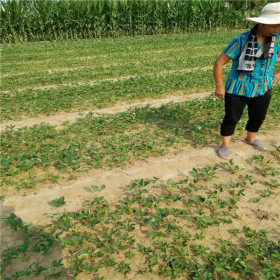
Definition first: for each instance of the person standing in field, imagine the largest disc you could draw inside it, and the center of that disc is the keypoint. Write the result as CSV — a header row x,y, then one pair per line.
x,y
254,54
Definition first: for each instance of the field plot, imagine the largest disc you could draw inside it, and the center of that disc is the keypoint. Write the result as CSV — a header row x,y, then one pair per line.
x,y
137,192
114,71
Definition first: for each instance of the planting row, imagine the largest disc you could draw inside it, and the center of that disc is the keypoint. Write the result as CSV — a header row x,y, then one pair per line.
x,y
111,140
29,102
72,56
100,52
114,69
117,46
107,59
165,229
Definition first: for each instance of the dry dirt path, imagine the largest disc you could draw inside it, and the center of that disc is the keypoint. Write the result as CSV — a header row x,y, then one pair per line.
x,y
60,118
33,207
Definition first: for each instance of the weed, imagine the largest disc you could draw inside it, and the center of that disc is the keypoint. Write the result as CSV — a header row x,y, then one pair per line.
x,y
96,189
232,167
58,202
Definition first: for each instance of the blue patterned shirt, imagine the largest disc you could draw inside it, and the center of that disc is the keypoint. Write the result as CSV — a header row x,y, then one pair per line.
x,y
254,83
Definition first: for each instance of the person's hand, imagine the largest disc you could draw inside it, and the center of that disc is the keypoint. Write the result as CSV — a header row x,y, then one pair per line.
x,y
220,92
277,78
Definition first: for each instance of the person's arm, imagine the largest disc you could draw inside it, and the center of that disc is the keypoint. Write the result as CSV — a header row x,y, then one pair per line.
x,y
218,75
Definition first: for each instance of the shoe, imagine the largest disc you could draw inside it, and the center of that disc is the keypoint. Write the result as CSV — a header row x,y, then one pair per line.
x,y
256,144
223,152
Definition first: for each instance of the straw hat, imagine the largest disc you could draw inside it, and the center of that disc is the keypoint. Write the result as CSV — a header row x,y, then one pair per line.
x,y
270,14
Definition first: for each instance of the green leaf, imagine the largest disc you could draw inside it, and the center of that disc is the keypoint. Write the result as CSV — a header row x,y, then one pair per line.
x,y
58,202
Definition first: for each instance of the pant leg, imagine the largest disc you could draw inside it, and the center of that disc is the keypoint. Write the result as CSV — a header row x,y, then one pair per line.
x,y
257,109
234,107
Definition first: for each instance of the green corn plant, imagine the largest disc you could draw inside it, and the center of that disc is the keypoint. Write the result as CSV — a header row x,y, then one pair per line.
x,y
23,21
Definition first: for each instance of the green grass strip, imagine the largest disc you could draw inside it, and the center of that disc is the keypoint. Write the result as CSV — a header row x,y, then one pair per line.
x,y
73,57
59,65
102,72
47,50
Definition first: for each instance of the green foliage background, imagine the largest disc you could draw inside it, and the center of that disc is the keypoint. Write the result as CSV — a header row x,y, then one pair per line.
x,y
35,20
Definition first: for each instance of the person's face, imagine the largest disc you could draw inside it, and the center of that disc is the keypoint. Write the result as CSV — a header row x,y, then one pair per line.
x,y
269,30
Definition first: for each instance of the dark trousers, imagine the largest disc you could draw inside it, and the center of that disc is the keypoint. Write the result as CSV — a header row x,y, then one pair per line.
x,y
234,106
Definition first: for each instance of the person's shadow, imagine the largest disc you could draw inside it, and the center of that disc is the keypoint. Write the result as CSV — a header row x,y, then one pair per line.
x,y
27,251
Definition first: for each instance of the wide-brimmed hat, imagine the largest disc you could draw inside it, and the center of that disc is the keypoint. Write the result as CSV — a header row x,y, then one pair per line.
x,y
270,14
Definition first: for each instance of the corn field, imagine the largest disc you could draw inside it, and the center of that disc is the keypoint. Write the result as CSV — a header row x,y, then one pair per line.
x,y
35,20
